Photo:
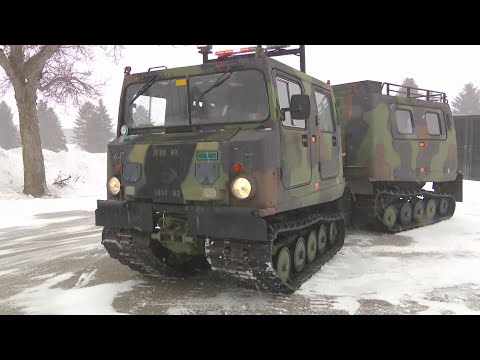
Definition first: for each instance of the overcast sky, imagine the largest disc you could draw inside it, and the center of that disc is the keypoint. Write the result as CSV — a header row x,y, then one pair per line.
x,y
444,68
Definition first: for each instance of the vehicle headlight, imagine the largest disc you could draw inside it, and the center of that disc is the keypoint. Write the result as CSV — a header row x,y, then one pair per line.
x,y
113,185
242,188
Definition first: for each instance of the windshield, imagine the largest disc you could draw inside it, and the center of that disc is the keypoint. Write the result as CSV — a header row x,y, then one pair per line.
x,y
231,97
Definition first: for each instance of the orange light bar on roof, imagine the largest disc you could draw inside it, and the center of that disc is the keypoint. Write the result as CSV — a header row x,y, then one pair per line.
x,y
224,53
244,50
247,49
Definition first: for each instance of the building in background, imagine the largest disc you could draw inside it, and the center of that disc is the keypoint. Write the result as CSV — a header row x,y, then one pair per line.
x,y
468,145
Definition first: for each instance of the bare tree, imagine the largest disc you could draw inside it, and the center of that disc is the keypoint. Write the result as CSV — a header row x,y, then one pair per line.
x,y
53,71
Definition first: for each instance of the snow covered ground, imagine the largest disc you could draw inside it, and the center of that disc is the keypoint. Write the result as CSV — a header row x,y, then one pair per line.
x,y
52,262
437,266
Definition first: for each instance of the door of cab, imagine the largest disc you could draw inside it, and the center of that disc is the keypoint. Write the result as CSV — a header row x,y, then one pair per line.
x,y
329,136
296,166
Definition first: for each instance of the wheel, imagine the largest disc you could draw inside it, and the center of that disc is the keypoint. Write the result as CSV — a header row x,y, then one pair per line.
x,y
430,209
406,213
332,238
283,264
311,246
419,211
322,239
390,216
443,207
299,255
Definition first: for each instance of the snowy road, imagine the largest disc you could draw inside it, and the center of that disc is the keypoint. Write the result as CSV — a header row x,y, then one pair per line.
x,y
57,265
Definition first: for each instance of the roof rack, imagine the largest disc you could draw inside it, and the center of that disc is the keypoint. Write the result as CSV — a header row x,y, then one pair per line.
x,y
413,93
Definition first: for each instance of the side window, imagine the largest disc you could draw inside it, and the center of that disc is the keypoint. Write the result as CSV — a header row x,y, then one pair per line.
x,y
433,123
283,98
404,121
324,113
285,90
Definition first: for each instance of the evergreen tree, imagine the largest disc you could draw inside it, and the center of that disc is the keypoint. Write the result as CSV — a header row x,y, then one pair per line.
x,y
93,128
9,136
408,82
101,132
80,131
140,116
467,102
51,132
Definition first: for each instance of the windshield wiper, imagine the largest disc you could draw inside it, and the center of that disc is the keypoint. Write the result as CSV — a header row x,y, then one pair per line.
x,y
143,89
217,83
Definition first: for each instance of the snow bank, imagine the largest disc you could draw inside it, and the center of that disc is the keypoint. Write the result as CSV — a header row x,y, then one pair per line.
x,y
87,171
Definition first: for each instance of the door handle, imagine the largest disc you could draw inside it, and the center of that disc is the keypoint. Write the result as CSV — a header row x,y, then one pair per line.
x,y
334,140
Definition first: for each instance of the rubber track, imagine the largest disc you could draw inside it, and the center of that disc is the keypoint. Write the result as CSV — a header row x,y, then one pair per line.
x,y
375,219
257,270
128,248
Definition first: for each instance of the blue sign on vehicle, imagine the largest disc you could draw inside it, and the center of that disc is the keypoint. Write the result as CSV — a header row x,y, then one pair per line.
x,y
207,155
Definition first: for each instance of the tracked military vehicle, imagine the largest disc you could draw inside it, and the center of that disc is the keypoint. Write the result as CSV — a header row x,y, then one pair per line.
x,y
236,161
237,165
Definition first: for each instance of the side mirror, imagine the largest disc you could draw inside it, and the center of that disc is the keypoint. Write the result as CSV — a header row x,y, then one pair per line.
x,y
299,107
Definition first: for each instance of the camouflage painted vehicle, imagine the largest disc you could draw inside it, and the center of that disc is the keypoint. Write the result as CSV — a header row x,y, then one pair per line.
x,y
233,164
397,139
237,165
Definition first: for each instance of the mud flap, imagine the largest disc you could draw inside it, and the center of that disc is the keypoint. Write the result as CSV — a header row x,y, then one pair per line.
x,y
121,214
457,186
454,188
345,206
225,223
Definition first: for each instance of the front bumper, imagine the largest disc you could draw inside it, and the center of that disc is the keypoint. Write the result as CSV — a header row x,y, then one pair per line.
x,y
214,222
